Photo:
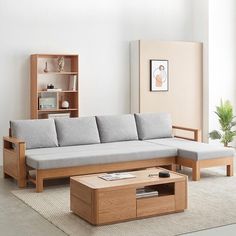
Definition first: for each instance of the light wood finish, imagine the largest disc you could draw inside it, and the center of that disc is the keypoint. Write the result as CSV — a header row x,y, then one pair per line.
x,y
196,171
39,181
180,201
60,73
63,91
14,160
15,166
115,201
196,133
41,175
197,165
185,88
155,205
115,205
57,110
37,74
230,169
33,87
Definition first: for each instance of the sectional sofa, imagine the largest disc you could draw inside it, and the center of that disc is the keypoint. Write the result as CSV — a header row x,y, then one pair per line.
x,y
76,146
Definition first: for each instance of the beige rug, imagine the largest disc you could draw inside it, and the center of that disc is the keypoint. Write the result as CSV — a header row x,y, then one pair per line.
x,y
212,203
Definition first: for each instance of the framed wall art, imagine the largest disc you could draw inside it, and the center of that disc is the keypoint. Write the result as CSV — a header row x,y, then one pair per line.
x,y
159,75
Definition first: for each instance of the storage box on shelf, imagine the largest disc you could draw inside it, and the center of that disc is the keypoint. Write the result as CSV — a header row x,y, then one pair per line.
x,y
44,71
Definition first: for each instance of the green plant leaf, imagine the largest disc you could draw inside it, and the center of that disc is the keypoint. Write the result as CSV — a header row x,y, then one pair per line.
x,y
215,135
233,123
225,115
226,119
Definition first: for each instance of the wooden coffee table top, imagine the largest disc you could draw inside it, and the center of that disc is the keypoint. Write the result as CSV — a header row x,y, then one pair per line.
x,y
142,178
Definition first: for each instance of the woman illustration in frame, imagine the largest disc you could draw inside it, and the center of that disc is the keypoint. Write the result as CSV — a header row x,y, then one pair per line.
x,y
160,76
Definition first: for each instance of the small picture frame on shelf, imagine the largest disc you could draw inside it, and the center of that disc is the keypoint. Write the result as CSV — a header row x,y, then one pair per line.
x,y
159,75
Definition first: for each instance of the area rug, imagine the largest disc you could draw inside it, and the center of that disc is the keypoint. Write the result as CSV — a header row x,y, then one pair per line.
x,y
212,203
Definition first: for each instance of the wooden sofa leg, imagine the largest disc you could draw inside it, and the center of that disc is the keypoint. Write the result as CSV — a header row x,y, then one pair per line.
x,y
180,167
196,171
173,167
39,182
6,176
230,170
22,183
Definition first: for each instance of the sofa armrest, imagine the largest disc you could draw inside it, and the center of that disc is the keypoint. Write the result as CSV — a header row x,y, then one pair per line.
x,y
14,159
196,133
12,140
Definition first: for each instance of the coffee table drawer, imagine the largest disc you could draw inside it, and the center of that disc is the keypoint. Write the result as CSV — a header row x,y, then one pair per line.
x,y
116,205
155,205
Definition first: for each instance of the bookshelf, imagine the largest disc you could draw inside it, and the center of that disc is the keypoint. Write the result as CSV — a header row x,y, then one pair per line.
x,y
45,72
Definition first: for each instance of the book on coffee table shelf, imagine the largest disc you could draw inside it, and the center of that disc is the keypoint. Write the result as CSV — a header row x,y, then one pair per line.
x,y
146,192
116,176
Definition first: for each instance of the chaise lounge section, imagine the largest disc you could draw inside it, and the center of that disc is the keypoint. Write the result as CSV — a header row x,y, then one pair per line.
x,y
76,146
192,154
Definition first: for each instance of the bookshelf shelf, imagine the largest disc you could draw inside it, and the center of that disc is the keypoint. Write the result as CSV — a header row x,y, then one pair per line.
x,y
58,110
63,91
58,73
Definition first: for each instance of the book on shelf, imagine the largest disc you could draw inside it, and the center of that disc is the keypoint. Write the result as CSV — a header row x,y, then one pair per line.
x,y
59,115
54,90
146,192
73,83
117,176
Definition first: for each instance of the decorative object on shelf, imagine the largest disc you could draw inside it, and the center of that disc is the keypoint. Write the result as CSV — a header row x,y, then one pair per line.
x,y
164,174
65,105
47,103
60,64
48,100
159,75
73,83
46,67
227,122
50,86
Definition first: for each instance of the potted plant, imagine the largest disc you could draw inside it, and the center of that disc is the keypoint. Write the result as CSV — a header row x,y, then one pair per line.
x,y
226,120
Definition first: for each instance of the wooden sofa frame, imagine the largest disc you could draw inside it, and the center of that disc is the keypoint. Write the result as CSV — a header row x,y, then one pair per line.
x,y
14,164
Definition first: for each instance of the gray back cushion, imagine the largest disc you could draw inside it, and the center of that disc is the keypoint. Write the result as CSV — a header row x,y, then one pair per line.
x,y
77,131
154,125
35,133
117,128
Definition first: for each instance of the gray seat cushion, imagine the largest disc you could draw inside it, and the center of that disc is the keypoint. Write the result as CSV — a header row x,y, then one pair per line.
x,y
194,150
35,133
117,128
77,131
153,125
48,158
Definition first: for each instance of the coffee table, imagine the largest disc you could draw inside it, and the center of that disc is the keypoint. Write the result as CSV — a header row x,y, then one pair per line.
x,y
99,201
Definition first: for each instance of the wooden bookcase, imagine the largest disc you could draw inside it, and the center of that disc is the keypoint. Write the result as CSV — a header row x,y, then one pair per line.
x,y
60,80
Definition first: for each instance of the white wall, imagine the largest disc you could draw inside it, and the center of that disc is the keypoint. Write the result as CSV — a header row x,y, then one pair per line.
x,y
214,23
99,31
200,33
222,56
